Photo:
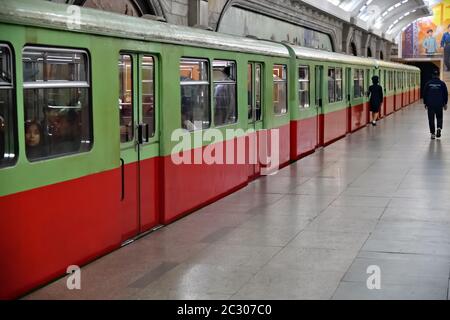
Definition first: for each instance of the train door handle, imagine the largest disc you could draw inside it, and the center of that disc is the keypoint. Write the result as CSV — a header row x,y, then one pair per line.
x,y
140,134
122,172
141,128
147,132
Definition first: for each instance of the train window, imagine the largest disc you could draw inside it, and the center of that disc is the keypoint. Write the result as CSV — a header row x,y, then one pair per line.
x,y
391,80
303,90
399,80
57,102
8,137
258,92
225,106
358,83
126,94
254,85
331,85
250,91
339,87
280,89
335,85
195,101
148,93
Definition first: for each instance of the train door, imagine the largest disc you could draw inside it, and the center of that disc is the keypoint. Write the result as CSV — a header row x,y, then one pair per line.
x,y
405,90
255,114
319,105
348,90
139,145
411,88
398,91
395,84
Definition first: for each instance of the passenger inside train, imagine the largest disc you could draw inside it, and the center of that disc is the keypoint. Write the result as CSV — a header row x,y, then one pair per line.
x,y
34,139
63,131
224,93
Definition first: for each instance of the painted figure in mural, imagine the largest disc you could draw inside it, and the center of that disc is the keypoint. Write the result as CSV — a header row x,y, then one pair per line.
x,y
445,43
430,43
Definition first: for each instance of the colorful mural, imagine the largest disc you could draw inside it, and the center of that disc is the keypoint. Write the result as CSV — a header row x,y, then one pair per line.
x,y
425,36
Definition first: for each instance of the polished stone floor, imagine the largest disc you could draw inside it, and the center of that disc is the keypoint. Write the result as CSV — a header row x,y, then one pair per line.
x,y
380,197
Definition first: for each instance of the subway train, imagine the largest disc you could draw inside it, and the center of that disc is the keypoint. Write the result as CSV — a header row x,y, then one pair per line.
x,y
90,101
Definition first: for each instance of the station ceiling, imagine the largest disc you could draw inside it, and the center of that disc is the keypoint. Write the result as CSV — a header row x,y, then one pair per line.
x,y
386,18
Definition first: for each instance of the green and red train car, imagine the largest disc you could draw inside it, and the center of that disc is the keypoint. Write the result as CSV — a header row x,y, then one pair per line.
x,y
89,107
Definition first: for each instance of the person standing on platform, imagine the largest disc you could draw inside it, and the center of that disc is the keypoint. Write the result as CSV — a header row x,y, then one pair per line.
x,y
430,44
376,99
445,43
435,98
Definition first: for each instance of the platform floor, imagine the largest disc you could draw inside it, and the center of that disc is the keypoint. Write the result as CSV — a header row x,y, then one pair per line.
x,y
378,197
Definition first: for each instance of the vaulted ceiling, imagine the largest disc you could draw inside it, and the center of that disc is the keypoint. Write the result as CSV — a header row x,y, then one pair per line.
x,y
386,18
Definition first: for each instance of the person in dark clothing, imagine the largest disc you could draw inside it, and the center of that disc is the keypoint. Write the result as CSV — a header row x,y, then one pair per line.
x,y
435,98
445,43
376,99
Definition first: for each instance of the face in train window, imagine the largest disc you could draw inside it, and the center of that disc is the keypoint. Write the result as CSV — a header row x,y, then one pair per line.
x,y
195,101
280,89
57,102
225,106
8,137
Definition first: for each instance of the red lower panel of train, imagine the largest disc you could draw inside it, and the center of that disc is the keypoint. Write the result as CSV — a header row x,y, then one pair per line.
x,y
304,137
194,185
398,101
359,116
389,105
335,126
45,230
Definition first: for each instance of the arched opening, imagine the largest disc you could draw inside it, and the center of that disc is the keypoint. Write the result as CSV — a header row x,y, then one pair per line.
x,y
353,49
369,52
136,8
244,17
426,72
381,55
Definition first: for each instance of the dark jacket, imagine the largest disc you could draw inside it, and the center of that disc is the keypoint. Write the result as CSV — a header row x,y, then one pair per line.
x,y
435,94
376,95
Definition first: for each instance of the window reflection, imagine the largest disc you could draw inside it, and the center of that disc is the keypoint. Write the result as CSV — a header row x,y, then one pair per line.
x,y
225,107
280,89
8,137
57,102
126,98
195,102
303,93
